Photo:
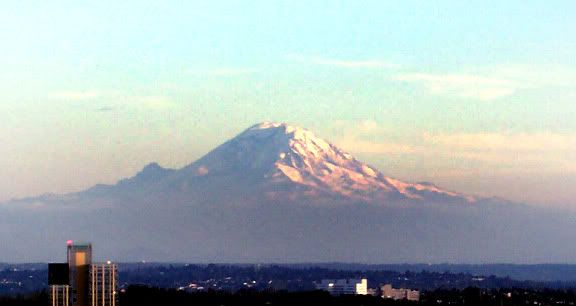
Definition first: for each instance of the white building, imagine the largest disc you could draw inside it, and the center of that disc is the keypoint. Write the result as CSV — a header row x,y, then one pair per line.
x,y
344,286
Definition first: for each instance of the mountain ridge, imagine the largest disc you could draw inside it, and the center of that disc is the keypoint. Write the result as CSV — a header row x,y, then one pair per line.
x,y
280,154
286,162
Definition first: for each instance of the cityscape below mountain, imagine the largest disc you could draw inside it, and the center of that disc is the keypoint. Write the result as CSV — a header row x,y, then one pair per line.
x,y
199,282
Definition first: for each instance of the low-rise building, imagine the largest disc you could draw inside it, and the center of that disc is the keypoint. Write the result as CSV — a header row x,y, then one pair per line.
x,y
344,286
400,294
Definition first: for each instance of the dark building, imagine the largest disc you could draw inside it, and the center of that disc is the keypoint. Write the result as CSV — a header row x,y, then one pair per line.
x,y
59,284
58,274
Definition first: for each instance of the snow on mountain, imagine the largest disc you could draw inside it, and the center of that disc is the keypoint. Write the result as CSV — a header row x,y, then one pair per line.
x,y
279,153
272,162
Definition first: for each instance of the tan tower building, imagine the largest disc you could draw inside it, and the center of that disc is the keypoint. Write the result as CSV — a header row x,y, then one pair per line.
x,y
79,261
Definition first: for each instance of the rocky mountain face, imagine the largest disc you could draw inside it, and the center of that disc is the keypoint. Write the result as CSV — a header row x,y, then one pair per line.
x,y
281,162
278,193
282,154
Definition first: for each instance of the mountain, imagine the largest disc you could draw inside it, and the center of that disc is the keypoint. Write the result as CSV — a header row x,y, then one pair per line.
x,y
279,193
293,160
281,162
278,162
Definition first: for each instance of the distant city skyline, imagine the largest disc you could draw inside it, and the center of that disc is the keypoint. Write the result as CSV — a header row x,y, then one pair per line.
x,y
477,97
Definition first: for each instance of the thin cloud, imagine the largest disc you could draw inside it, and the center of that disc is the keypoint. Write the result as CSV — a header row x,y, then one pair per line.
x,y
521,143
463,85
492,82
367,147
223,72
116,100
353,139
367,125
105,109
367,63
153,102
75,95
534,76
542,152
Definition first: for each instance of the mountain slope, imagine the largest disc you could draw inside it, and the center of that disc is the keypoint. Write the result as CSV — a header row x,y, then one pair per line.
x,y
285,157
277,162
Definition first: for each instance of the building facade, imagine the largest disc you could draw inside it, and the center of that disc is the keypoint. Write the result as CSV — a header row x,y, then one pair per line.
x,y
102,288
59,295
400,294
79,261
344,286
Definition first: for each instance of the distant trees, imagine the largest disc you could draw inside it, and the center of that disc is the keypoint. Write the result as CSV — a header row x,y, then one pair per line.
x,y
140,295
472,296
232,277
35,299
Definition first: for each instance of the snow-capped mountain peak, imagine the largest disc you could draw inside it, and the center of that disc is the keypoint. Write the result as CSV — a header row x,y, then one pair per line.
x,y
280,154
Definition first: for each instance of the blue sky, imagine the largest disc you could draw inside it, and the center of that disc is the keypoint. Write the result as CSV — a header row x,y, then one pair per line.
x,y
477,96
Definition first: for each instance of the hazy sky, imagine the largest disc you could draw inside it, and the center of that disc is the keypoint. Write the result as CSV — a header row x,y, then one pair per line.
x,y
476,96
